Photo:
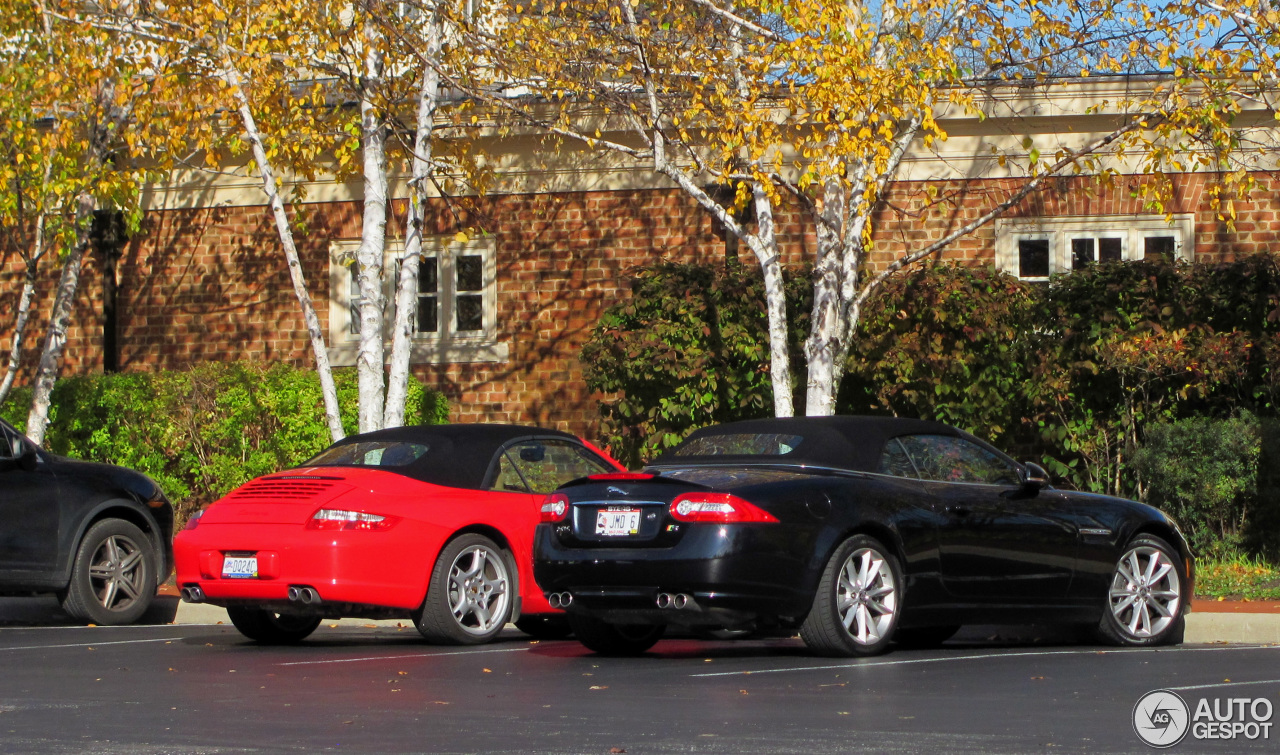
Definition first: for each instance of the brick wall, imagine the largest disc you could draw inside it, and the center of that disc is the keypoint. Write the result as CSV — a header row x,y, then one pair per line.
x,y
211,284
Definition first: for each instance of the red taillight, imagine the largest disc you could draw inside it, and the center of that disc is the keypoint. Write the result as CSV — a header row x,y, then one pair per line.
x,y
338,519
621,476
555,507
721,508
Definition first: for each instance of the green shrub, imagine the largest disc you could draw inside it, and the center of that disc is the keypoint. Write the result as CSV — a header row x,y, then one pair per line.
x,y
1204,473
203,432
689,348
944,342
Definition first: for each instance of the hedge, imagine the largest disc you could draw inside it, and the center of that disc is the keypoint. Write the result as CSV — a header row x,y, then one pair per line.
x,y
203,432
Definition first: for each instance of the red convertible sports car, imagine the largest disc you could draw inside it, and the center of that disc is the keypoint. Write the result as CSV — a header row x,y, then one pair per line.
x,y
432,523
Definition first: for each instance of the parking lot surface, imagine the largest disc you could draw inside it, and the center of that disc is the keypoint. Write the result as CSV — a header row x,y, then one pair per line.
x,y
205,689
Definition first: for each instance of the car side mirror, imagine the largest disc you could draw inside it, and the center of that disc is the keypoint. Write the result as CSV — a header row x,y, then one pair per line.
x,y
1034,477
533,454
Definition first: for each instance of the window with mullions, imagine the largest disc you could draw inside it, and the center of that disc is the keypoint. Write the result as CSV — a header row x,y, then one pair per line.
x,y
456,315
1036,248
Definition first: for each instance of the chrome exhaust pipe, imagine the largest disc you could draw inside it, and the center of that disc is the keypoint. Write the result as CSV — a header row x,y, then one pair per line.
x,y
566,599
308,595
664,600
294,594
680,601
192,594
554,599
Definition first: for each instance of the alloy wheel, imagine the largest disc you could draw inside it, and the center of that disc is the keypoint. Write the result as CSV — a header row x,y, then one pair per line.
x,y
118,572
478,593
1145,593
866,597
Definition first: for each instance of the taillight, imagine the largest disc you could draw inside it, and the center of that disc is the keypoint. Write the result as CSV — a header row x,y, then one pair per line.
x,y
194,521
621,476
721,508
555,507
338,519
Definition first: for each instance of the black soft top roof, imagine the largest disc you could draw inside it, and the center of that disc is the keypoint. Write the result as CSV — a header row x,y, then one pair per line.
x,y
840,442
458,456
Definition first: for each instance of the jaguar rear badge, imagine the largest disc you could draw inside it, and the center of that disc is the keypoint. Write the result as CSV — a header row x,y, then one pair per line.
x,y
616,491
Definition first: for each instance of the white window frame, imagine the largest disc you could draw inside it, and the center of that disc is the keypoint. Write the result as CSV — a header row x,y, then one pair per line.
x,y
447,345
1132,230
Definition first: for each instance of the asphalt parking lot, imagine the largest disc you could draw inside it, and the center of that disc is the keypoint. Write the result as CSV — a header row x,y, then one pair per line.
x,y
201,688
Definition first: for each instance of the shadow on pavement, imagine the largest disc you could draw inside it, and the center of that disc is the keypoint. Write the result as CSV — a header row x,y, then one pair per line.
x,y
44,611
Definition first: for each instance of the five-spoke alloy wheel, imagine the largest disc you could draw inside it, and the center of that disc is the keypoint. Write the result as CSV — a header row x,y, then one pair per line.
x,y
856,609
1145,604
113,579
469,599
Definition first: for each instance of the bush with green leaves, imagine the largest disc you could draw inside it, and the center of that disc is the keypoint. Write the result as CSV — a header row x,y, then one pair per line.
x,y
689,348
1204,473
203,432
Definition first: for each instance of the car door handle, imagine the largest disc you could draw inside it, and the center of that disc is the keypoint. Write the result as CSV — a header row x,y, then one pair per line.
x,y
959,510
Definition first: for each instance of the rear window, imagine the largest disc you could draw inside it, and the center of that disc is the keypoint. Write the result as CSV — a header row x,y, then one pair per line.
x,y
377,453
739,444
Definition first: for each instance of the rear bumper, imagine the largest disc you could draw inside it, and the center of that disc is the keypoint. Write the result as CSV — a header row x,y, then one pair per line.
x,y
364,568
733,573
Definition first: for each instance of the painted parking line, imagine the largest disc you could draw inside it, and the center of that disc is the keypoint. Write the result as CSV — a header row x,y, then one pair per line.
x,y
980,656
1224,684
399,657
95,644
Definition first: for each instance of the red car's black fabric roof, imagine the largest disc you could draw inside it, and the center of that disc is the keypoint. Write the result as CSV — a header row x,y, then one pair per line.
x,y
841,442
458,456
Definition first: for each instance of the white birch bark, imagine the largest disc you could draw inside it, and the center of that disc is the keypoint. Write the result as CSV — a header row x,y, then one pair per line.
x,y
826,324
23,314
407,291
369,258
333,416
59,321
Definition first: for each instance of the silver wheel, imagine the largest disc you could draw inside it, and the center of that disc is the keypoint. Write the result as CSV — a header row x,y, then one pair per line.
x,y
118,572
866,597
478,590
1146,595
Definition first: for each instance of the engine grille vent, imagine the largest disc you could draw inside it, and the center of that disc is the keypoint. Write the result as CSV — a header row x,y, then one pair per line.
x,y
293,489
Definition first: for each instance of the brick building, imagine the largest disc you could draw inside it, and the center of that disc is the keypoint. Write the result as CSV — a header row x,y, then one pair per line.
x,y
204,279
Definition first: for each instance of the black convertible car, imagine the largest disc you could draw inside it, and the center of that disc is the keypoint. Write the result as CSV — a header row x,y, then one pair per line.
x,y
96,535
856,532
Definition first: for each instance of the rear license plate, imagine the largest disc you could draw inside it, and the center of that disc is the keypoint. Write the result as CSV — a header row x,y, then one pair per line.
x,y
240,567
618,523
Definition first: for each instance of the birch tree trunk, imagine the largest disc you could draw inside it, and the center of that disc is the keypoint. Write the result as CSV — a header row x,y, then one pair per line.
x,y
24,310
407,290
333,415
775,298
59,320
369,259
827,325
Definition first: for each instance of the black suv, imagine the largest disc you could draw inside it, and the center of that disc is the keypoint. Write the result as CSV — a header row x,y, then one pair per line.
x,y
96,535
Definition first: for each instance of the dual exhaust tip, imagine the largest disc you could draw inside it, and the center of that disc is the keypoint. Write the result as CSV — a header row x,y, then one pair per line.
x,y
297,594
560,599
303,594
679,601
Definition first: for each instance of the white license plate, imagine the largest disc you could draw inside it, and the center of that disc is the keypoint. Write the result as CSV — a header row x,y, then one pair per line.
x,y
240,567
618,523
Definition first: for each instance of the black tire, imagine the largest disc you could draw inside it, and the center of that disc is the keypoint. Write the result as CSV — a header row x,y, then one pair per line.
x,y
924,637
844,599
545,626
271,628
615,639
1146,608
113,576
469,597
